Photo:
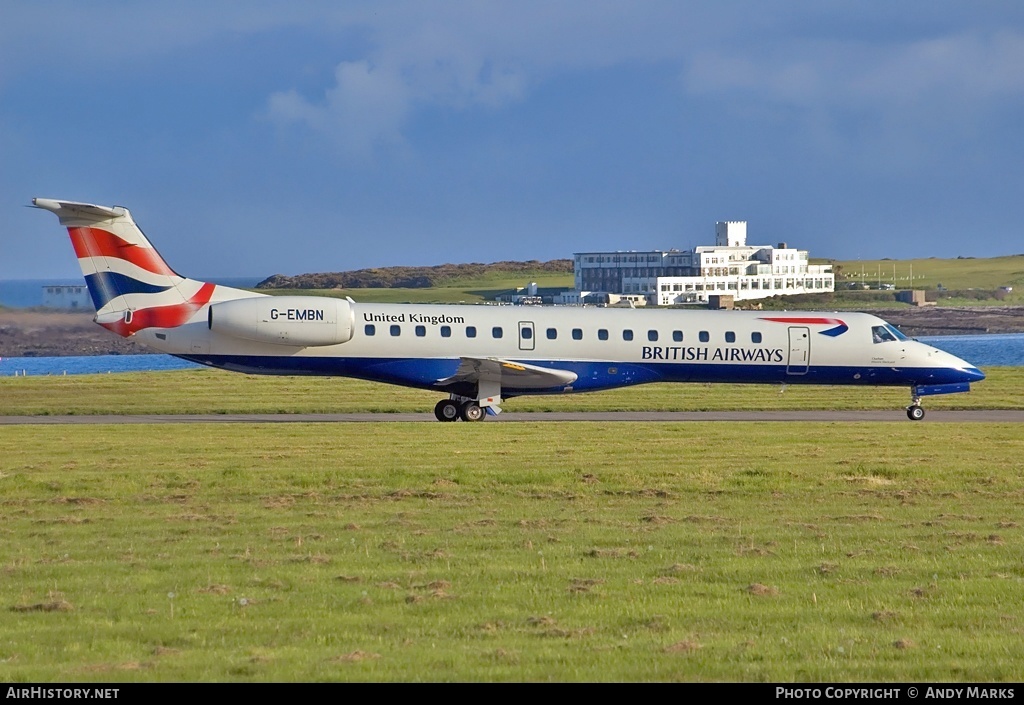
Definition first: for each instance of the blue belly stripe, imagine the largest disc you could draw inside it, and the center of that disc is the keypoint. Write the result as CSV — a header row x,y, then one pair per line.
x,y
422,373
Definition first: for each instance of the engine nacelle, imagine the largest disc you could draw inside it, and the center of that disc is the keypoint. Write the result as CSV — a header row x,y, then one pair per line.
x,y
301,321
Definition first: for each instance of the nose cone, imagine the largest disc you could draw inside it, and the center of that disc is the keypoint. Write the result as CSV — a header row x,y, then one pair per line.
x,y
965,371
972,373
952,368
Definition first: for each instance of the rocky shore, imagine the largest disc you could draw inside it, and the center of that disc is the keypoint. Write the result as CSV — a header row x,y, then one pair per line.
x,y
969,320
35,333
50,334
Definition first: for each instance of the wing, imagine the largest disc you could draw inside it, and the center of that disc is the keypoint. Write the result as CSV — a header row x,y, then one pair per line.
x,y
506,374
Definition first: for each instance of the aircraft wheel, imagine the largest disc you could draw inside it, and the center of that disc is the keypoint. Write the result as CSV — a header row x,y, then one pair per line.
x,y
471,411
915,413
446,410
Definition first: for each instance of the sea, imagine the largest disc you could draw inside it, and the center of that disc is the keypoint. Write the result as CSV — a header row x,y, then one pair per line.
x,y
980,350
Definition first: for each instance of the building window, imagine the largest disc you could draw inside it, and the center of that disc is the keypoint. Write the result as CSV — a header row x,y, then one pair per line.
x,y
421,331
755,337
552,333
577,334
730,337
470,331
652,335
446,331
677,336
627,334
704,336
496,332
396,331
370,329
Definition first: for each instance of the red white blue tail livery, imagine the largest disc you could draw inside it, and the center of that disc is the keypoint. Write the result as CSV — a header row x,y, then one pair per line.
x,y
479,355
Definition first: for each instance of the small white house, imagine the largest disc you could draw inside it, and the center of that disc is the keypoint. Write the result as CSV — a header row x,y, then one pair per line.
x,y
67,297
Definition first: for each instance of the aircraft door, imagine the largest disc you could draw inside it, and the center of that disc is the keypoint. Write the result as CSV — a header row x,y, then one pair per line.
x,y
526,337
799,350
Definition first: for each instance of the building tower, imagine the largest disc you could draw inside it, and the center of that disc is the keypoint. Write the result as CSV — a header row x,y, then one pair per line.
x,y
731,233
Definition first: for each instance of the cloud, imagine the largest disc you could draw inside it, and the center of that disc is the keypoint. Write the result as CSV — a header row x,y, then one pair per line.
x,y
898,103
370,101
478,55
364,108
959,67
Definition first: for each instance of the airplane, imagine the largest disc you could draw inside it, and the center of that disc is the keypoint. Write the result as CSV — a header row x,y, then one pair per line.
x,y
479,355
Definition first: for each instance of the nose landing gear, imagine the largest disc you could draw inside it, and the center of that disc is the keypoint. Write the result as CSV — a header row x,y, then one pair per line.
x,y
914,411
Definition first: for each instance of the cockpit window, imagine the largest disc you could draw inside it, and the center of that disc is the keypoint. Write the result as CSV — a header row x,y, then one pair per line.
x,y
896,332
886,334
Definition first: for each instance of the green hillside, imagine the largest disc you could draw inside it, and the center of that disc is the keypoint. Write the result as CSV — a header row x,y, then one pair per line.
x,y
473,289
960,273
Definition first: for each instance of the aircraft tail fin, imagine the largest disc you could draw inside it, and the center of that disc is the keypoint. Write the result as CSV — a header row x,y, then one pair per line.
x,y
131,286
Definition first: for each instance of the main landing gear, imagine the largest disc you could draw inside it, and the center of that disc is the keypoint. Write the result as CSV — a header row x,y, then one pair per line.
x,y
914,411
453,410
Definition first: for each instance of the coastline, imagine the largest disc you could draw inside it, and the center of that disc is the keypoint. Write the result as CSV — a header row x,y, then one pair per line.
x,y
33,333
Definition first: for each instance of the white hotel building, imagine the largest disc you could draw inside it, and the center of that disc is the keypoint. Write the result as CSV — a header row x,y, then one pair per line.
x,y
730,268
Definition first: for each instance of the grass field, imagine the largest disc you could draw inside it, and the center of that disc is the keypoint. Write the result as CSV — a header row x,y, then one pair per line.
x,y
775,552
217,392
533,552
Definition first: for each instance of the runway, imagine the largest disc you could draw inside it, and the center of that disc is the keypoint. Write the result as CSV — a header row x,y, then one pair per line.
x,y
892,416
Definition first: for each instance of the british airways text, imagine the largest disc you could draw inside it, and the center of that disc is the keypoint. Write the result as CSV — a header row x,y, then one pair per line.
x,y
701,354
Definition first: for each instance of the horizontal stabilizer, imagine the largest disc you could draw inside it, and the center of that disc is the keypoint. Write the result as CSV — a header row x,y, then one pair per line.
x,y
74,211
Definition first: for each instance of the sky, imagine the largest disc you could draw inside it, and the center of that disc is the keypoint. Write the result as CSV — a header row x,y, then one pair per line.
x,y
257,138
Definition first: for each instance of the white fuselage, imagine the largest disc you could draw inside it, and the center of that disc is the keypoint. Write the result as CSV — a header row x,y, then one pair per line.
x,y
636,345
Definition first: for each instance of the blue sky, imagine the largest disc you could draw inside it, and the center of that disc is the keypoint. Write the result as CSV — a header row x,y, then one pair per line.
x,y
257,138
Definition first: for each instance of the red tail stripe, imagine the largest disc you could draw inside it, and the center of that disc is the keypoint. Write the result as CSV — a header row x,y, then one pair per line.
x,y
93,242
163,316
824,321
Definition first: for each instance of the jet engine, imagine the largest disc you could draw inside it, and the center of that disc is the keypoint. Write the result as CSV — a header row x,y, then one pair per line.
x,y
300,321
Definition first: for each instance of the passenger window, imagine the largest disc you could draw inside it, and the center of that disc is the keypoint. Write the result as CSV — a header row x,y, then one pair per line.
x,y
370,329
552,333
470,331
755,337
497,332
446,331
602,334
677,336
396,331
730,337
577,334
526,332
704,336
627,334
652,335
421,331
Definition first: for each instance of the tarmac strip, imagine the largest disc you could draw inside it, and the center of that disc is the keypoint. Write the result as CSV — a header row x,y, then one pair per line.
x,y
894,415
